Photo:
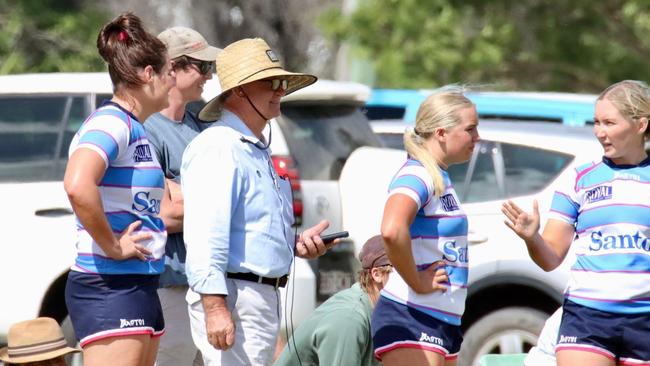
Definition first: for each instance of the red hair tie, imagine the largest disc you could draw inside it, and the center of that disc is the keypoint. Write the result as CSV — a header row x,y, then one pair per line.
x,y
123,36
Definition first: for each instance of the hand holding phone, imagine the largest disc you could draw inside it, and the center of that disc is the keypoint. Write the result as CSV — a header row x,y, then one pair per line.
x,y
329,238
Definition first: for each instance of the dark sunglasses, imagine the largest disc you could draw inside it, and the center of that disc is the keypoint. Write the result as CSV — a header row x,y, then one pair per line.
x,y
204,67
277,83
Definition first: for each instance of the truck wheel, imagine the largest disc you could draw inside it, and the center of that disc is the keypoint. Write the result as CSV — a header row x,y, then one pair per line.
x,y
508,330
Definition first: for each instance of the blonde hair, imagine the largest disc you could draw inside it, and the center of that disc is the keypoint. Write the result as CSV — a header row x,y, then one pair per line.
x,y
365,279
438,110
631,98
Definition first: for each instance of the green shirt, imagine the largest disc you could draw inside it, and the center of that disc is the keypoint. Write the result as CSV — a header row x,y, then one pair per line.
x,y
337,333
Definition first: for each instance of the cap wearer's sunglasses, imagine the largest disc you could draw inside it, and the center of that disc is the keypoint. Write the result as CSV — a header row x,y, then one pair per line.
x,y
277,83
205,67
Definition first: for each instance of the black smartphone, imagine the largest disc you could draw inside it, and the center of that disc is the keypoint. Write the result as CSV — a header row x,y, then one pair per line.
x,y
327,239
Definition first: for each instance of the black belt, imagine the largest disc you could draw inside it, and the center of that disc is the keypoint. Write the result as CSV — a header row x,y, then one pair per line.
x,y
275,282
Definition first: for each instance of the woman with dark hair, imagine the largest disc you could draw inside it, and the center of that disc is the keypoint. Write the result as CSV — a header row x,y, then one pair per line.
x,y
115,186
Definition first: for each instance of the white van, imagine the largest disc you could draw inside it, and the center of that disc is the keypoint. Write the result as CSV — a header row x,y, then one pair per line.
x,y
39,113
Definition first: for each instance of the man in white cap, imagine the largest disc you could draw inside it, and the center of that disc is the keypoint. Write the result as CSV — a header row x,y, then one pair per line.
x,y
169,132
36,342
238,212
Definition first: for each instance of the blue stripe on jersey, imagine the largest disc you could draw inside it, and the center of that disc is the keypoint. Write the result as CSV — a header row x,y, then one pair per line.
x,y
121,220
564,205
457,275
137,133
433,227
103,140
133,177
101,264
616,262
447,317
613,214
412,182
613,306
594,175
113,112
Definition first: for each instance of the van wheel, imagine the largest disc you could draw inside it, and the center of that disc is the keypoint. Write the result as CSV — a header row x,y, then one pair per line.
x,y
73,359
508,330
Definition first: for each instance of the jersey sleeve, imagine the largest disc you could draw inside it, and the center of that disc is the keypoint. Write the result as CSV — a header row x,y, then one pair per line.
x,y
565,204
414,182
107,135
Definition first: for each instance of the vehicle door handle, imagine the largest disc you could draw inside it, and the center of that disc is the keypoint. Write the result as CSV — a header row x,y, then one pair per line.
x,y
475,238
322,205
53,212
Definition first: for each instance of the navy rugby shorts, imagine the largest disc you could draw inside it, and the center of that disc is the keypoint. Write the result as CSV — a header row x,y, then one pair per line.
x,y
395,325
622,337
103,306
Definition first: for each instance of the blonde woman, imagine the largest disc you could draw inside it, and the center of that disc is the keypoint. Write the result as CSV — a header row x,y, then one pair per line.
x,y
417,318
605,214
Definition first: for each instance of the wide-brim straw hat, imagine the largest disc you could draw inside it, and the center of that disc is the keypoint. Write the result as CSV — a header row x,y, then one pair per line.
x,y
35,340
245,61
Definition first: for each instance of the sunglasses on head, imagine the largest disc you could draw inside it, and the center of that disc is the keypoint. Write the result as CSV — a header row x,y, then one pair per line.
x,y
277,83
205,67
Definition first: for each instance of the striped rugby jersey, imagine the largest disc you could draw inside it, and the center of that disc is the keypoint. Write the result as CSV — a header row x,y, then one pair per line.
x,y
439,232
131,189
609,206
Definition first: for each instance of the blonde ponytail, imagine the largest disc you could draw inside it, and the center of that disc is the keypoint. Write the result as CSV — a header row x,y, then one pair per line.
x,y
415,148
439,109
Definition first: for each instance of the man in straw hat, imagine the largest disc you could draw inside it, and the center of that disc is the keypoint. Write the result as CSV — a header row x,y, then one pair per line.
x,y
37,342
169,131
238,212
338,331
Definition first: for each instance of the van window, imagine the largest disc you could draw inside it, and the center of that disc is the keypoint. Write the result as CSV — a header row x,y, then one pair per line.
x,y
321,137
33,136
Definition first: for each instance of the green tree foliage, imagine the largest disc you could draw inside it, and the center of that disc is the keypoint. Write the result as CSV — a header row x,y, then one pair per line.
x,y
567,45
49,36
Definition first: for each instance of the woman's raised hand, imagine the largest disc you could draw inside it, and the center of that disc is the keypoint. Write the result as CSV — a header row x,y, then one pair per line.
x,y
524,224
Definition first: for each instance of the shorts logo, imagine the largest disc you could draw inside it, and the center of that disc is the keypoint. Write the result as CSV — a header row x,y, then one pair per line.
x,y
127,323
449,202
599,193
142,153
568,339
431,339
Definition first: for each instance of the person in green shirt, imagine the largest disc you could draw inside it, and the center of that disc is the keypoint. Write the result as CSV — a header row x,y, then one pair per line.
x,y
338,331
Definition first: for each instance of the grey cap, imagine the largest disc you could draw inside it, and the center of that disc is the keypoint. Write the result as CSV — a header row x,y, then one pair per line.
x,y
182,41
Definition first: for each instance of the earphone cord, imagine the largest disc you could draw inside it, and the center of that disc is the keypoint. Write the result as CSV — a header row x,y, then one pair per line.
x,y
288,318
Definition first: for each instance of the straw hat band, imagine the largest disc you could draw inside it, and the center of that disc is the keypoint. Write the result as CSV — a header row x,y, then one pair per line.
x,y
257,72
38,348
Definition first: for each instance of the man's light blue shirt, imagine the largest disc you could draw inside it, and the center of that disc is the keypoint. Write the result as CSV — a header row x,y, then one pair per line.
x,y
238,212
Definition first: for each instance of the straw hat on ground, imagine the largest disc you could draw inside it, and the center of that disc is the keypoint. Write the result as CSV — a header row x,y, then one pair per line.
x,y
245,61
35,340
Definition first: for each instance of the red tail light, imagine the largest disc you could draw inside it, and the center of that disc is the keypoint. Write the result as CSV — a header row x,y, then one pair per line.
x,y
286,167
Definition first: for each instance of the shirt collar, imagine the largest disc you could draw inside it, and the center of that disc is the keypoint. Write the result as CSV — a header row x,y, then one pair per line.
x,y
233,121
611,164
